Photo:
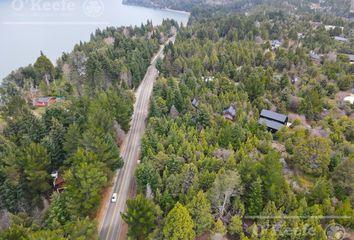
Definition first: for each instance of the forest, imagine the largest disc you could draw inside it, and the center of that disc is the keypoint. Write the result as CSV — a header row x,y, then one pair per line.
x,y
74,141
208,169
206,176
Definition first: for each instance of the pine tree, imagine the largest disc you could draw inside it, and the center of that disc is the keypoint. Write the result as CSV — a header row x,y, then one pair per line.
x,y
255,198
83,228
72,139
57,214
219,228
104,146
345,209
141,216
200,210
44,68
36,168
179,224
84,182
235,226
54,142
15,232
268,234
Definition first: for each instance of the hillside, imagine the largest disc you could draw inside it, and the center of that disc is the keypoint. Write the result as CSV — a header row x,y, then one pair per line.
x,y
250,133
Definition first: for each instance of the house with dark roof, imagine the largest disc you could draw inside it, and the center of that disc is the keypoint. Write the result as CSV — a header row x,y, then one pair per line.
x,y
276,44
274,121
351,58
195,103
229,113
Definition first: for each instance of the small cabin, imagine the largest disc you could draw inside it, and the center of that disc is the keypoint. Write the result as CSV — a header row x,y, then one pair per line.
x,y
44,101
229,113
332,27
195,103
316,57
351,58
58,182
274,121
341,39
300,35
350,99
275,44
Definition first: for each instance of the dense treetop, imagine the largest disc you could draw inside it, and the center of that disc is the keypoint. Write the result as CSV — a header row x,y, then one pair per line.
x,y
78,137
234,177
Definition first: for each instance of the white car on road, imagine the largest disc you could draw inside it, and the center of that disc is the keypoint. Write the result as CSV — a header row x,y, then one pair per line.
x,y
114,197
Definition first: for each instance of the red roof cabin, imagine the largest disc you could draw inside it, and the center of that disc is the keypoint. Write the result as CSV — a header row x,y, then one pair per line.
x,y
58,182
43,101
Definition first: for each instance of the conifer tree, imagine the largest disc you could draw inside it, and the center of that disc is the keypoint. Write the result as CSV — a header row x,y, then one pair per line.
x,y
179,224
255,199
141,216
200,210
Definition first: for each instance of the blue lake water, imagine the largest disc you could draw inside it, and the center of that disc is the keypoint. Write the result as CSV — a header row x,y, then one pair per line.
x,y
55,26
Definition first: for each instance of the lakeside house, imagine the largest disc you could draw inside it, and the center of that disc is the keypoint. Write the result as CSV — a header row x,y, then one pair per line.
x,y
350,99
332,27
276,44
300,35
44,101
274,121
208,79
195,103
317,58
351,58
229,113
341,39
58,182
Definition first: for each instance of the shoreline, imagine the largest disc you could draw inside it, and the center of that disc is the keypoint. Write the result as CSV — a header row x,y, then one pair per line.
x,y
176,11
124,2
67,45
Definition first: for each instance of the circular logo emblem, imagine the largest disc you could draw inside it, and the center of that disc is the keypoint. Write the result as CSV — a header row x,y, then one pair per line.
x,y
93,8
17,5
335,232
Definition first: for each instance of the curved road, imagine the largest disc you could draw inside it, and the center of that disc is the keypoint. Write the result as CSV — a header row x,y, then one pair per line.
x,y
112,223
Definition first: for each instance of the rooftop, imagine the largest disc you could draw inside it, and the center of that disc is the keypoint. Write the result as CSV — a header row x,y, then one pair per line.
x,y
230,110
349,99
270,124
342,39
273,115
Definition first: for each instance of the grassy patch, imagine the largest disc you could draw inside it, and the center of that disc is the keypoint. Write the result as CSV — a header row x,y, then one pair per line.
x,y
305,181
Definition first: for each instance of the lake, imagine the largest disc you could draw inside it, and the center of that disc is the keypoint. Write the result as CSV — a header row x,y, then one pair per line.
x,y
55,26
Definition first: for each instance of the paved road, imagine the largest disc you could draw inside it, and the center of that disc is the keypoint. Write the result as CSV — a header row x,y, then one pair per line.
x,y
111,226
